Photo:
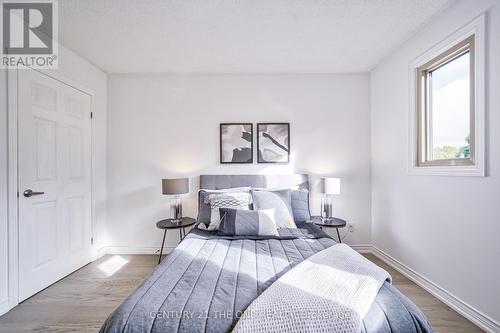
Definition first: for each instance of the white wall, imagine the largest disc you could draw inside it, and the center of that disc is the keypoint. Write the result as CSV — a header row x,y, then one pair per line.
x,y
168,125
78,70
3,193
445,228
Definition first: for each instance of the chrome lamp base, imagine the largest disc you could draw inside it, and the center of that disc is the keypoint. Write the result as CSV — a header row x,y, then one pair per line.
x,y
327,208
176,209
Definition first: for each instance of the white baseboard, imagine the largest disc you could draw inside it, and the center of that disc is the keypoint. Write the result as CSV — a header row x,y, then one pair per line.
x,y
132,250
475,316
4,306
362,248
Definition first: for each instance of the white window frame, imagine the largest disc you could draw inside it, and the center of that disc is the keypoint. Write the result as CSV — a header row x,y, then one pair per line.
x,y
475,29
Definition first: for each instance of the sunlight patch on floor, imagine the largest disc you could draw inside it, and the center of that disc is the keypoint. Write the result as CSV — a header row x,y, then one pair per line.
x,y
112,265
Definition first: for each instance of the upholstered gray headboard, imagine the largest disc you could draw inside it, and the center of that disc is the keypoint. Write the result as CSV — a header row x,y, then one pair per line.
x,y
220,182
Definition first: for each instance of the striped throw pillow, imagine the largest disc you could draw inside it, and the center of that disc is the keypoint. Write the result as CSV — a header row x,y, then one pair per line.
x,y
237,222
237,200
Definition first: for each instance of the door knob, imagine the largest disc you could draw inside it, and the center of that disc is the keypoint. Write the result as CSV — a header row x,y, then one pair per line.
x,y
29,193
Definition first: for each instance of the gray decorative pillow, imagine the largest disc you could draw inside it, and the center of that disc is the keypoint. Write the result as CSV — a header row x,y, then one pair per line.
x,y
236,200
236,222
300,205
204,207
280,201
299,202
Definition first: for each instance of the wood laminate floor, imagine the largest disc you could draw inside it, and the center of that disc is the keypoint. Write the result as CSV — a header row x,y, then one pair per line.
x,y
81,301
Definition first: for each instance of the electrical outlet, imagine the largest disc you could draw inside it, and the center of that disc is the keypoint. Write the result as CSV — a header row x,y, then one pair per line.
x,y
350,227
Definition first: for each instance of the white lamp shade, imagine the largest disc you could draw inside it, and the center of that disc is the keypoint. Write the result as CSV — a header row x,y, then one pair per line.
x,y
331,185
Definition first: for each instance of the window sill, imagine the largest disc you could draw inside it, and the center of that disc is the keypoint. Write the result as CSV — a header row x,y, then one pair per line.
x,y
459,171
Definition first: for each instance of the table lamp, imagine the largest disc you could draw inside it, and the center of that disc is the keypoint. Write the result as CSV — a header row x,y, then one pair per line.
x,y
331,187
175,187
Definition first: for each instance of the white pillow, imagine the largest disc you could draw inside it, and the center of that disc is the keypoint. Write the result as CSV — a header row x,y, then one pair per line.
x,y
267,223
236,200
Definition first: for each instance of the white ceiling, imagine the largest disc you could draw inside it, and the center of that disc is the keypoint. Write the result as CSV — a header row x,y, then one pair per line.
x,y
240,36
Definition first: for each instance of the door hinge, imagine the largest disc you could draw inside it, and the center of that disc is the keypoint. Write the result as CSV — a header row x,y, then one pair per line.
x,y
91,115
91,240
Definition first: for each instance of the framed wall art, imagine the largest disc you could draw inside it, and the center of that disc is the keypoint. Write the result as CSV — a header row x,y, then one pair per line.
x,y
273,142
236,143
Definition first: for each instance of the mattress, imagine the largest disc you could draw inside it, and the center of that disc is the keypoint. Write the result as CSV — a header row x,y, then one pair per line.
x,y
207,282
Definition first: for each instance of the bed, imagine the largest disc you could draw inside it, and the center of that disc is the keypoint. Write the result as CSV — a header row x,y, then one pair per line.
x,y
208,281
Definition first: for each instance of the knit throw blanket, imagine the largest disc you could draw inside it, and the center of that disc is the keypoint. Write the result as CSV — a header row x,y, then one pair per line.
x,y
330,291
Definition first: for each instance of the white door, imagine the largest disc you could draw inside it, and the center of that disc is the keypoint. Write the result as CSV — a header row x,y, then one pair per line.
x,y
54,135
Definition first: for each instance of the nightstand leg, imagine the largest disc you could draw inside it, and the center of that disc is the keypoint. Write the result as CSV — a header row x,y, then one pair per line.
x,y
338,235
162,242
180,235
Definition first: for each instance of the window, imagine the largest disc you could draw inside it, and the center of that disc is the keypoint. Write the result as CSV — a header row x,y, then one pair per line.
x,y
447,105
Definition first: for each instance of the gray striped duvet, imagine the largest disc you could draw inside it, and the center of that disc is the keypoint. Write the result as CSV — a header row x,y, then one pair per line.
x,y
206,283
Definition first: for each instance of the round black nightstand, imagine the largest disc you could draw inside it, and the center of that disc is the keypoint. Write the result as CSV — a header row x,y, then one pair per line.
x,y
168,224
334,222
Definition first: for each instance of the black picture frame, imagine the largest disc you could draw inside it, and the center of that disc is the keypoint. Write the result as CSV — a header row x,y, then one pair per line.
x,y
223,159
286,147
